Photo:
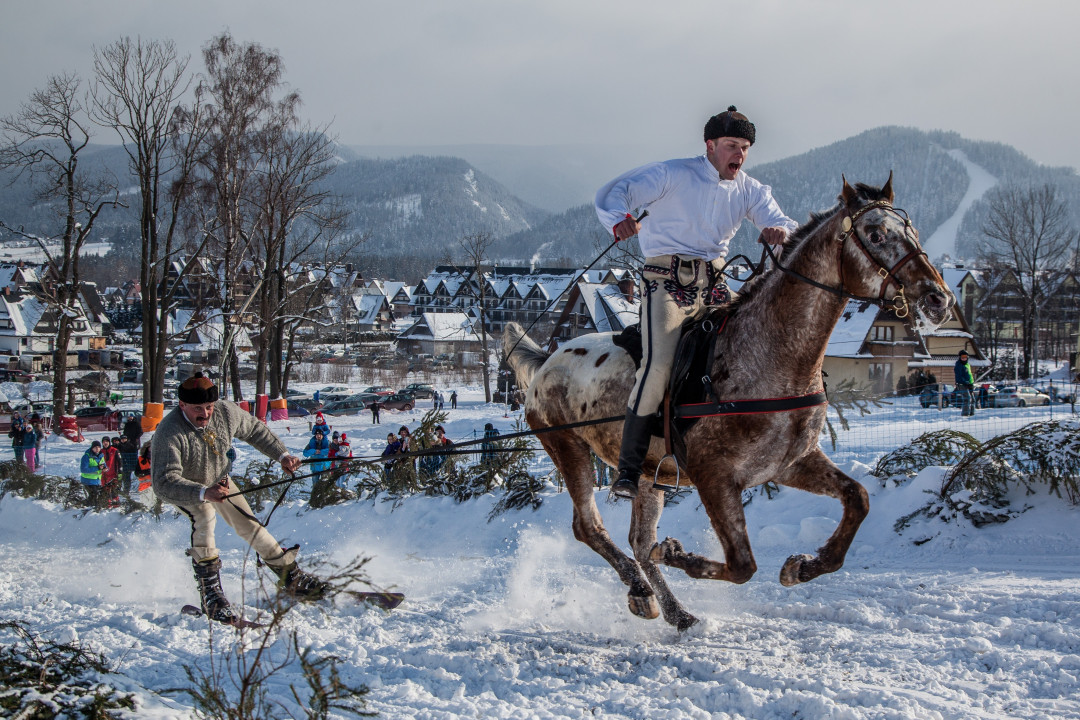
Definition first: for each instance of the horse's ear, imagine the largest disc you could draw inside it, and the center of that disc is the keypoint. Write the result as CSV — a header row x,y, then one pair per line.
x,y
886,190
848,194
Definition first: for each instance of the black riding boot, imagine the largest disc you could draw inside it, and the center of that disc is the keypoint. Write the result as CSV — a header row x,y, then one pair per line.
x,y
300,584
214,603
635,446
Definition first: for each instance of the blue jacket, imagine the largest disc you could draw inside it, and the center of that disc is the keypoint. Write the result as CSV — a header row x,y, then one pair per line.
x,y
318,449
91,468
30,439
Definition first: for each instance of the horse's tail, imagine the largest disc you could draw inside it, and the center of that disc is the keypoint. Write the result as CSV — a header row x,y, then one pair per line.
x,y
525,356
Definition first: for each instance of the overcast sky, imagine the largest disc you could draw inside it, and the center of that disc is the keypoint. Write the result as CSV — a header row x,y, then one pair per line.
x,y
638,73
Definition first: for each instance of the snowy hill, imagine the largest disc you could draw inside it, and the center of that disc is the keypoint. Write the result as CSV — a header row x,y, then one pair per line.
x,y
514,618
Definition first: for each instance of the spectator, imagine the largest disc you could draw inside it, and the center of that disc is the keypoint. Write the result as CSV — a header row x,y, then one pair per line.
x,y
335,441
393,447
341,465
318,447
375,407
142,474
111,472
30,441
133,430
965,383
430,464
129,461
90,472
320,425
453,400
16,433
487,456
39,433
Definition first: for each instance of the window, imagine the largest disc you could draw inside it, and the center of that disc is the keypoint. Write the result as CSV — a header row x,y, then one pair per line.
x,y
881,333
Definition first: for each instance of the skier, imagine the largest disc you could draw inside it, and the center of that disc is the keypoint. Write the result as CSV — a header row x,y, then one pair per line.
x,y
191,456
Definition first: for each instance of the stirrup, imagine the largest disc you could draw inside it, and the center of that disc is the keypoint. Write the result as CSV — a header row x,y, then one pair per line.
x,y
657,485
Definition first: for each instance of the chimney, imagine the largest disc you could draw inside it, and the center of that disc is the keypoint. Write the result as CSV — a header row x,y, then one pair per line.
x,y
628,288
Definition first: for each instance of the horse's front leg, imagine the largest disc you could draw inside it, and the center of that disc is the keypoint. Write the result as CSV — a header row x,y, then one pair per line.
x,y
648,505
723,503
817,474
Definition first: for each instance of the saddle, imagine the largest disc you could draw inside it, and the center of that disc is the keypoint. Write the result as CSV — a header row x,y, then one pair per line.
x,y
689,383
690,396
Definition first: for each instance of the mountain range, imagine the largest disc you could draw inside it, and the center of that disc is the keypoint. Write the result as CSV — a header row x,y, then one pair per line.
x,y
413,208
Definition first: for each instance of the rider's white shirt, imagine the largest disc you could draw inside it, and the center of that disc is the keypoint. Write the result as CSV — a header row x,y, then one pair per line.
x,y
692,211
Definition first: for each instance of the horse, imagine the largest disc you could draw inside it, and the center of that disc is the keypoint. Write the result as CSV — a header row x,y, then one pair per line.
x,y
771,345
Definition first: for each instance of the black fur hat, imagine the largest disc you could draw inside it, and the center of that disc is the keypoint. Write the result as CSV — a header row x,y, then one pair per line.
x,y
731,123
197,390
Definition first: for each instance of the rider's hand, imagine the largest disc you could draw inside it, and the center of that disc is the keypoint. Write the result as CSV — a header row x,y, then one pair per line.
x,y
628,228
217,493
773,236
290,463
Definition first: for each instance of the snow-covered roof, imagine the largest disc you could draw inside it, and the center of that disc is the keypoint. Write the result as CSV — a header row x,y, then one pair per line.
x,y
850,333
442,327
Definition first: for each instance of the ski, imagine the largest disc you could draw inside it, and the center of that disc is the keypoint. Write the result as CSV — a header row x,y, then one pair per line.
x,y
385,600
240,623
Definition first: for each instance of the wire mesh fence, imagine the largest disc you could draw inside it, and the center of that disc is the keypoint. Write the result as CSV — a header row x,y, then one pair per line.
x,y
890,422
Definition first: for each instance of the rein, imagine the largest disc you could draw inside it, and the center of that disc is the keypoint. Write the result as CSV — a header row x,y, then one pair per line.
x,y
899,301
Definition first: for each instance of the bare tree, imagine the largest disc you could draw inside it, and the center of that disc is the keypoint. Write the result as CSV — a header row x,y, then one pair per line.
x,y
474,254
1029,234
297,217
239,87
138,92
46,139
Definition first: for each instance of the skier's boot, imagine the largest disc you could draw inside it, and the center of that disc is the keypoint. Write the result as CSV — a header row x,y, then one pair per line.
x,y
300,584
214,603
637,434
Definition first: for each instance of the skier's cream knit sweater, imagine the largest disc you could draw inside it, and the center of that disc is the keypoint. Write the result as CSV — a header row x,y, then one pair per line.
x,y
184,459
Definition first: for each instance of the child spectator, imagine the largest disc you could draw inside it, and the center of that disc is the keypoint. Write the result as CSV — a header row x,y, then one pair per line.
x,y
320,425
30,441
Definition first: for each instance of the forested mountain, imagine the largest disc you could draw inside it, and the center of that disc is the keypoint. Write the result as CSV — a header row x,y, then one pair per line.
x,y
414,210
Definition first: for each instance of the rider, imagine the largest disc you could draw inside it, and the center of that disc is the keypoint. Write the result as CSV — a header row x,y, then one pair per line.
x,y
695,207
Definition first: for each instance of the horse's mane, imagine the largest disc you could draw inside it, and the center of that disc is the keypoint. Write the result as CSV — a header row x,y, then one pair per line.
x,y
864,194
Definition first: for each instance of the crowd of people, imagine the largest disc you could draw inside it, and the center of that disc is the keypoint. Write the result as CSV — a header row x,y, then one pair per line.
x,y
115,465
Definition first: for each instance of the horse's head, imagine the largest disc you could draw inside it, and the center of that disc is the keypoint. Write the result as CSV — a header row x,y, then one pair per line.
x,y
880,256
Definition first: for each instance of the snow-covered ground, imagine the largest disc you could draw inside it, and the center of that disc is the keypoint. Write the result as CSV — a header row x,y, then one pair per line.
x,y
516,619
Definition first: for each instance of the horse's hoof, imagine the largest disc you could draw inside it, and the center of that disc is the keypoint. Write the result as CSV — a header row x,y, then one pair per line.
x,y
789,574
644,606
662,551
685,622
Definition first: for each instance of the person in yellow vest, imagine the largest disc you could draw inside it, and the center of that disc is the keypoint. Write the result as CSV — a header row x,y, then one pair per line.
x,y
93,462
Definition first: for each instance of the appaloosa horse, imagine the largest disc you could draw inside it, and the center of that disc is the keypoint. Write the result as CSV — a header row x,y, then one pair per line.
x,y
771,345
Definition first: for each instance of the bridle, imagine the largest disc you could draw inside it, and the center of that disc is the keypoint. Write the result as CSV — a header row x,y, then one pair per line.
x,y
847,230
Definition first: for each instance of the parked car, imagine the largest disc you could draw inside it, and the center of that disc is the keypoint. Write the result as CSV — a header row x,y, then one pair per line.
x,y
305,402
929,397
334,397
379,390
295,409
335,390
1021,396
419,390
348,406
97,418
398,401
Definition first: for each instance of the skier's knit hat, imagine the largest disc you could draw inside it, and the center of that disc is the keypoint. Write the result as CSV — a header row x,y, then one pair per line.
x,y
95,444
731,123
197,390
962,353
344,439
